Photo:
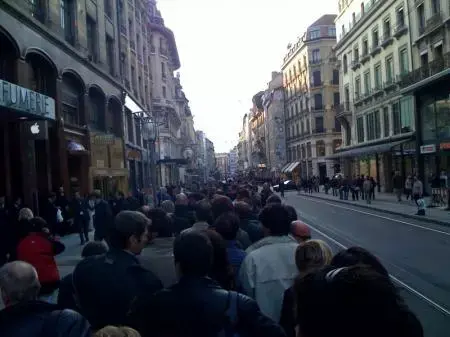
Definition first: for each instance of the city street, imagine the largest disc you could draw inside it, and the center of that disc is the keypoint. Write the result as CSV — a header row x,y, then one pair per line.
x,y
415,253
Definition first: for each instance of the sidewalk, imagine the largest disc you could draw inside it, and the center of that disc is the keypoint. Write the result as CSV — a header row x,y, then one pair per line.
x,y
386,202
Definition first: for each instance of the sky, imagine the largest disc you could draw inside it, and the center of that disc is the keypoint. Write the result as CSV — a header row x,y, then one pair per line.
x,y
228,49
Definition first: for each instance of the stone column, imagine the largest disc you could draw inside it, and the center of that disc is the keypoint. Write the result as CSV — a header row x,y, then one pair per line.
x,y
7,161
28,160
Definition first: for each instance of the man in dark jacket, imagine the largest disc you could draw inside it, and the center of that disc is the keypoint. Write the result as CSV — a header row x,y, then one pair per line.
x,y
107,285
25,316
81,217
196,306
182,217
103,217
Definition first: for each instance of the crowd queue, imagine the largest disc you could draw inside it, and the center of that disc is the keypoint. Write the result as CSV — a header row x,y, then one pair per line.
x,y
226,261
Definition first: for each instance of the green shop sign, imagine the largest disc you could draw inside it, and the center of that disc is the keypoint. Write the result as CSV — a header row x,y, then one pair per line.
x,y
24,100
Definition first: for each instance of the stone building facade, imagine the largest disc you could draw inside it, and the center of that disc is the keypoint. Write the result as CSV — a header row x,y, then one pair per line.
x,y
311,82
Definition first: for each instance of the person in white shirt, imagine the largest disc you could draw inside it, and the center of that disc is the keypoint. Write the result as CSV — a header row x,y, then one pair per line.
x,y
268,270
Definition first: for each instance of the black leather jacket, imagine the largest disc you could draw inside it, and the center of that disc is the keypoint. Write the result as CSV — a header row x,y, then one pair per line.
x,y
197,307
39,319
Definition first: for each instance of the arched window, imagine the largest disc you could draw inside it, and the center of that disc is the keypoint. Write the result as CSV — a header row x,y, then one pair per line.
x,y
72,94
97,109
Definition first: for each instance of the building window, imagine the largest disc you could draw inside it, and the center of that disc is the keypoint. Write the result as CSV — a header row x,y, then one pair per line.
x,y
360,129
365,47
316,55
108,8
317,81
404,67
436,6
91,33
163,70
389,70
378,79
110,54
318,103
133,76
396,118
375,38
130,127
336,77
336,98
164,92
387,29
421,18
314,34
357,87
370,118
377,124
320,148
386,120
319,125
332,31
296,108
337,125
345,65
367,82
67,20
400,17
406,114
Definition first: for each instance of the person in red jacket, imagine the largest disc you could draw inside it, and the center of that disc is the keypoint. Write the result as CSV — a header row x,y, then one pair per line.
x,y
39,249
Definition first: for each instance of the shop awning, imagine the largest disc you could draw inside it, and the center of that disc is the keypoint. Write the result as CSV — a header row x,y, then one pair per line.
x,y
292,167
367,150
285,167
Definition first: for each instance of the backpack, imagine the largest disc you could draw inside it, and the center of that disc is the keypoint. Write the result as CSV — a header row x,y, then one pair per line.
x,y
231,316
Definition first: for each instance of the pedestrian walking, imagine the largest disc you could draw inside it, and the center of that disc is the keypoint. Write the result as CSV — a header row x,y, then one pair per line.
x,y
367,188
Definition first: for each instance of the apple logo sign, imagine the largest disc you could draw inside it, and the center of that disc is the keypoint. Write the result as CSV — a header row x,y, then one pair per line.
x,y
35,129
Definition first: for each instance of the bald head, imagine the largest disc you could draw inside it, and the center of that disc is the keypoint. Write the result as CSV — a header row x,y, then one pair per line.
x,y
18,283
300,231
181,199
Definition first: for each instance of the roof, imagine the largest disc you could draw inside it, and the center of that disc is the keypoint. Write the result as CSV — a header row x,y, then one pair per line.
x,y
325,20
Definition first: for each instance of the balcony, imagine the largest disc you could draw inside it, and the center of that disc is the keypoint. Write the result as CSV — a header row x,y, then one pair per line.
x,y
319,130
317,108
388,39
342,110
376,49
152,49
315,62
314,85
433,23
355,64
365,57
425,72
390,84
400,30
377,90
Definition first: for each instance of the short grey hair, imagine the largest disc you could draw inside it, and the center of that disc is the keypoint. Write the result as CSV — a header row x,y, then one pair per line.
x,y
19,282
168,206
181,199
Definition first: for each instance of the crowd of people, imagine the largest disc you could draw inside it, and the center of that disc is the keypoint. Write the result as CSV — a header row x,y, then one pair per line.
x,y
225,261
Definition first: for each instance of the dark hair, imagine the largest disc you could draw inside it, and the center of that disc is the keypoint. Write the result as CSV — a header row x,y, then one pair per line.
x,y
194,253
275,217
292,213
354,301
126,225
357,255
243,210
227,225
243,193
221,204
37,224
273,199
94,248
203,211
161,223
221,270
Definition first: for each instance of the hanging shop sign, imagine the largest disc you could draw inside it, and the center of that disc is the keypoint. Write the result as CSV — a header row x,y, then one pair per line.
x,y
426,149
21,99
